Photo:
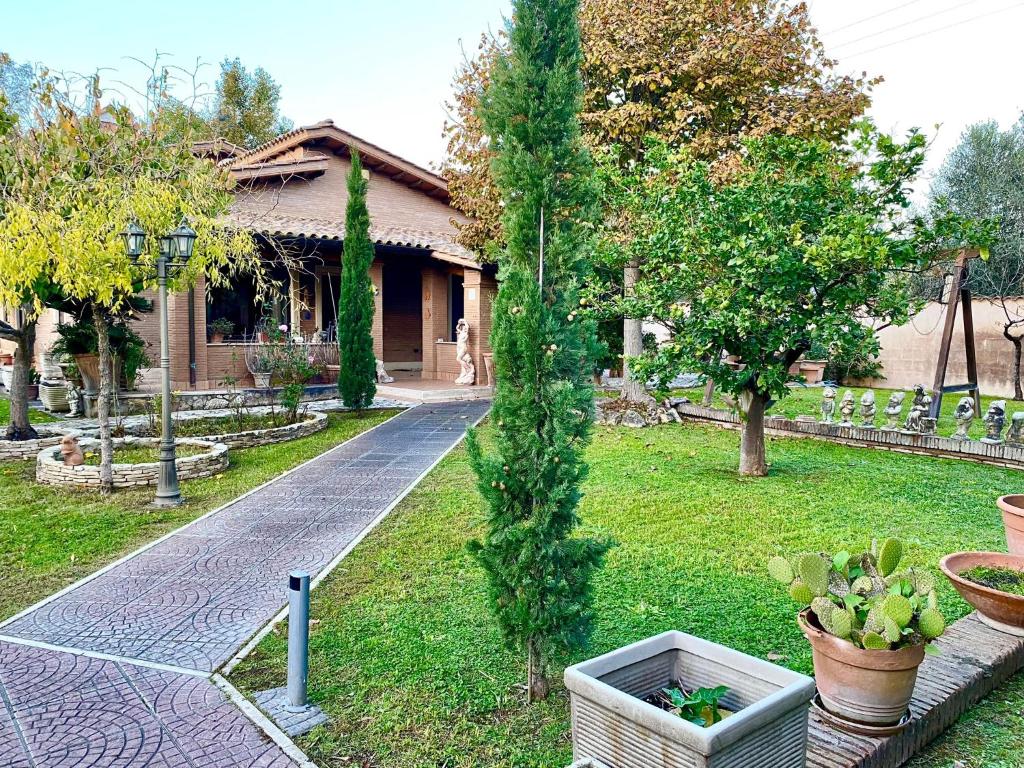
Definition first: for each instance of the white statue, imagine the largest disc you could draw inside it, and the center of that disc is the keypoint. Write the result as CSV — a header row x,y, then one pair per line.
x,y
382,374
468,374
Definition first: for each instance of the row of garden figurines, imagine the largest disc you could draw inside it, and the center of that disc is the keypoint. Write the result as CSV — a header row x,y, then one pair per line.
x,y
919,420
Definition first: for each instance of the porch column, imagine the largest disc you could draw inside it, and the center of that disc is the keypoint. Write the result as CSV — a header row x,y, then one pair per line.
x,y
294,302
430,320
479,321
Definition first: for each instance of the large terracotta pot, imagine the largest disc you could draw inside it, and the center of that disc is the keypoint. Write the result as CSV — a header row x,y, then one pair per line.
x,y
1000,610
89,368
1012,508
869,687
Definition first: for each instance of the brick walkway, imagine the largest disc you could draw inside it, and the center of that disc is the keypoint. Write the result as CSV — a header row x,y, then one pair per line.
x,y
190,602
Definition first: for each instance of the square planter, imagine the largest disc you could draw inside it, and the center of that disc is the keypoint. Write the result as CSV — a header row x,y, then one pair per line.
x,y
614,726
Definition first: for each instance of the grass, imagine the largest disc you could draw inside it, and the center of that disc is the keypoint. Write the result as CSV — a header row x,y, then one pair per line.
x,y
34,414
408,663
50,537
140,454
806,401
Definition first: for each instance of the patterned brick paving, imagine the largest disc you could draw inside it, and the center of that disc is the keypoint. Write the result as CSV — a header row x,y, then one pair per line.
x,y
192,601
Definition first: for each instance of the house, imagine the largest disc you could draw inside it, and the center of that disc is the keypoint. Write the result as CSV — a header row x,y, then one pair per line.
x,y
292,193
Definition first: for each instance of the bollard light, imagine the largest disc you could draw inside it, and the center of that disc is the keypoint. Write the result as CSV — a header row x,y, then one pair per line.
x,y
298,640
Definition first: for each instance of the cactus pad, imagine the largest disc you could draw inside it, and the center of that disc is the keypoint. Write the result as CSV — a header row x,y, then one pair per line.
x,y
892,631
800,593
899,609
814,573
780,570
873,641
931,624
889,556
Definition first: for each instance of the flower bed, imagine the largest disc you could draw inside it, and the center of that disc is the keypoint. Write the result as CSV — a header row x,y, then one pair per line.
x,y
24,450
310,424
51,470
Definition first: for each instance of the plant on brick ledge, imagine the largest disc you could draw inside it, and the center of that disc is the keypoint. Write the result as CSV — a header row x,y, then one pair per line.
x,y
539,571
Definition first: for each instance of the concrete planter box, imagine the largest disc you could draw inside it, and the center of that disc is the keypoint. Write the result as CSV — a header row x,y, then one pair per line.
x,y
612,725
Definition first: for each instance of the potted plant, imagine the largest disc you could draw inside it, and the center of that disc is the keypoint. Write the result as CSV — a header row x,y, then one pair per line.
x,y
869,625
220,328
993,583
1012,508
54,395
32,388
638,706
77,342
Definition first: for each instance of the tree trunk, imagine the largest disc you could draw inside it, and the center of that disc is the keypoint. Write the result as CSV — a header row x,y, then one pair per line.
x,y
19,427
103,404
632,340
537,685
752,458
1018,394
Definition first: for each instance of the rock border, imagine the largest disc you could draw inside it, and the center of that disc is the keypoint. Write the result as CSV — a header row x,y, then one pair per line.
x,y
51,470
312,423
26,450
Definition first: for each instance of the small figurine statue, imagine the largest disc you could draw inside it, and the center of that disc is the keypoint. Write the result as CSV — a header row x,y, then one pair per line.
x,y
867,410
71,451
964,415
920,393
913,422
828,405
74,397
468,375
382,375
995,418
1015,435
893,411
846,408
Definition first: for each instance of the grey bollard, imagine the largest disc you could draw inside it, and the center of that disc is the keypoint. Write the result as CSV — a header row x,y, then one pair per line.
x,y
298,640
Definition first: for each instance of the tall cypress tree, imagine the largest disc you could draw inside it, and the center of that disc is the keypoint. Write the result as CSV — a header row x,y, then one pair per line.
x,y
357,379
538,572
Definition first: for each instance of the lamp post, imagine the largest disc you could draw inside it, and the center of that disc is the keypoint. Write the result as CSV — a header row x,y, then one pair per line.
x,y
174,253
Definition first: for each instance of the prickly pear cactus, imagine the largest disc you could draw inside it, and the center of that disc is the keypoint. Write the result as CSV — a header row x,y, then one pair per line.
x,y
864,597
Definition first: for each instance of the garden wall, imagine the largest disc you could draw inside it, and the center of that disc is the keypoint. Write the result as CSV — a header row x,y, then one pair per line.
x,y
24,450
51,470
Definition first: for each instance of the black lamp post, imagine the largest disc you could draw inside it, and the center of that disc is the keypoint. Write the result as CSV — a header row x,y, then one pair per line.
x,y
175,251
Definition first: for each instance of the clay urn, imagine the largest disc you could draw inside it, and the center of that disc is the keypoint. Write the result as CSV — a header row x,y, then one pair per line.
x,y
1000,610
1012,508
868,687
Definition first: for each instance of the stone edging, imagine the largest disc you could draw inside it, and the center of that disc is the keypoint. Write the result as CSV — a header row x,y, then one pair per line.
x,y
25,450
51,470
311,423
903,442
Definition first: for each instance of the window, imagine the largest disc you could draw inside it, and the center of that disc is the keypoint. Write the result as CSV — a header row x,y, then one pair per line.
x,y
237,303
456,303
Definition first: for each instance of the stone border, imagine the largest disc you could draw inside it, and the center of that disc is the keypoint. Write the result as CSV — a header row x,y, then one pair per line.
x,y
25,450
310,424
1001,455
51,470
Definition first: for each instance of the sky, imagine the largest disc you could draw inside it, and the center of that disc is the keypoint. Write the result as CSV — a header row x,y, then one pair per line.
x,y
383,70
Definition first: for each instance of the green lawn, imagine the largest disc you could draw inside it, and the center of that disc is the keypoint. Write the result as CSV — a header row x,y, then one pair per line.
x,y
50,537
34,414
408,663
806,401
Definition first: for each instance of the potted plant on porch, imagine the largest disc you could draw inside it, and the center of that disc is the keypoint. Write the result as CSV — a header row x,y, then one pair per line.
x,y
220,329
655,704
869,625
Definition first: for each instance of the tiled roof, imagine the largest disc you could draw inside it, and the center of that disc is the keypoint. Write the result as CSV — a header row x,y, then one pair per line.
x,y
276,225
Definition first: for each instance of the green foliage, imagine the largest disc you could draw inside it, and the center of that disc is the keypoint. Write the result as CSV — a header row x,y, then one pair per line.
x,y
357,379
699,707
780,569
860,603
245,109
538,571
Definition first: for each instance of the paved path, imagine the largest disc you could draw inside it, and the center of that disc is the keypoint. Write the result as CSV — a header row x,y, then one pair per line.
x,y
190,602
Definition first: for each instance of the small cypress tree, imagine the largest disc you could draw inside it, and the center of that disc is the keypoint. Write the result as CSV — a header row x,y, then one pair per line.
x,y
357,379
538,572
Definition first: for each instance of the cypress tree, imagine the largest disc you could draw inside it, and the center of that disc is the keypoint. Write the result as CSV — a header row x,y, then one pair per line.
x,y
538,572
357,378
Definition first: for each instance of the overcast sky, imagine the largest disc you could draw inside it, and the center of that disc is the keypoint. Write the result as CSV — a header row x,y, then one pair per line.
x,y
383,69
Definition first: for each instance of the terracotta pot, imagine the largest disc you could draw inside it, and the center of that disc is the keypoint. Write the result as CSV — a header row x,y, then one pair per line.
x,y
1012,508
216,338
89,368
32,391
1000,610
870,687
6,359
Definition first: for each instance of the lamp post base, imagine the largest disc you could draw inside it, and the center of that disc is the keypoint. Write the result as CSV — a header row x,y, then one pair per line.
x,y
168,501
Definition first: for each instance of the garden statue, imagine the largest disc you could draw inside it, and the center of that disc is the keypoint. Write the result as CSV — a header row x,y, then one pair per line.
x,y
828,405
919,410
928,423
1015,436
995,418
964,415
382,375
867,410
920,393
74,397
71,451
468,375
846,409
893,410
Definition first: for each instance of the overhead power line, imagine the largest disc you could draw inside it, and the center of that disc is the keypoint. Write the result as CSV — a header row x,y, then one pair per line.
x,y
869,18
886,31
936,30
